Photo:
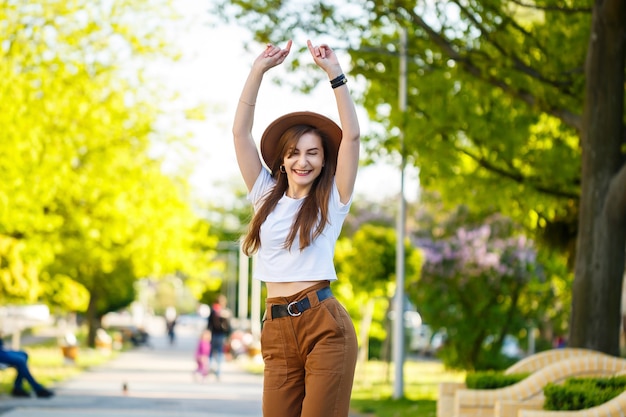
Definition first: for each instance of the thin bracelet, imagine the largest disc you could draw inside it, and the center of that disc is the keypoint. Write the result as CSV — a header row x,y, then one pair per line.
x,y
245,102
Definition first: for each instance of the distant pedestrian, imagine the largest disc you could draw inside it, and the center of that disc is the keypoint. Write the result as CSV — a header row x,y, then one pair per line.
x,y
203,351
170,323
219,323
559,342
18,359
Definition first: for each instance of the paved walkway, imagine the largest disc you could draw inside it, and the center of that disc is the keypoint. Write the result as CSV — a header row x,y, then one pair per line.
x,y
159,383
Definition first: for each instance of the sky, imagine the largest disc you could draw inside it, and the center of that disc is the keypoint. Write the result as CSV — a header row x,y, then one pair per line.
x,y
212,69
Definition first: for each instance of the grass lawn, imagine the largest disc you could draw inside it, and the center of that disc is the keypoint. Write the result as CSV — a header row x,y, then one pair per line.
x,y
373,389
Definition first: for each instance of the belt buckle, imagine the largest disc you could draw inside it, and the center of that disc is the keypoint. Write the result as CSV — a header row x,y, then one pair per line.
x,y
292,314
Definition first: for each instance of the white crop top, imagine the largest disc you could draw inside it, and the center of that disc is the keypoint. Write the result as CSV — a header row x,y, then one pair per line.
x,y
274,263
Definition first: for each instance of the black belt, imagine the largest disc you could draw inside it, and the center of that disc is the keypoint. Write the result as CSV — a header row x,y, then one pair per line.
x,y
296,308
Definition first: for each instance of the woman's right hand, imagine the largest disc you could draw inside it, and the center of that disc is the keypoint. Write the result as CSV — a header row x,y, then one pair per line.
x,y
272,56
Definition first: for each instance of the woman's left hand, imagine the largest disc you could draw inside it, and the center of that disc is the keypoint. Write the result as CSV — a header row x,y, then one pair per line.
x,y
325,58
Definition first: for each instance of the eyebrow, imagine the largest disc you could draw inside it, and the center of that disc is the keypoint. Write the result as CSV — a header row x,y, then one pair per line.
x,y
295,148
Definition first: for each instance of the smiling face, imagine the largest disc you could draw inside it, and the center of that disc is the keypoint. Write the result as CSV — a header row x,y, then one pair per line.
x,y
303,164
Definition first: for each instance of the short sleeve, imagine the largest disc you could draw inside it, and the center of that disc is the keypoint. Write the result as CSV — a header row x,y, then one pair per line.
x,y
335,201
263,184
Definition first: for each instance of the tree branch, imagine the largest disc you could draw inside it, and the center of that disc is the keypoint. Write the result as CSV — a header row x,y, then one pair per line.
x,y
569,118
518,63
552,8
516,176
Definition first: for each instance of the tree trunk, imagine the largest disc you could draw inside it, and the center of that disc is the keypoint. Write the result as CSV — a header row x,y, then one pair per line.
x,y
91,320
601,245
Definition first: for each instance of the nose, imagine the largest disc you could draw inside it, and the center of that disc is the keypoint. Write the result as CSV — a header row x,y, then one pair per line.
x,y
302,160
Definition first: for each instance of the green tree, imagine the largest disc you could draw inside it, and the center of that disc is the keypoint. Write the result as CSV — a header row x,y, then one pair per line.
x,y
476,284
84,204
366,264
229,219
499,116
546,301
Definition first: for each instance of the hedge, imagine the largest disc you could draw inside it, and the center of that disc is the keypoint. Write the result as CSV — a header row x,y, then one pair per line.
x,y
582,393
492,379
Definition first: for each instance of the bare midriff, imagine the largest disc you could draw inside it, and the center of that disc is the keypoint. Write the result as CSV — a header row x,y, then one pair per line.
x,y
285,289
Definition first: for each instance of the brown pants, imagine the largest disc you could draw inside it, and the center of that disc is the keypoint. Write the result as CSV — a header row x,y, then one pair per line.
x,y
309,359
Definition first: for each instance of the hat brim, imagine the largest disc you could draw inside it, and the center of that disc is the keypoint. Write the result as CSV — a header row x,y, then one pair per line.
x,y
275,130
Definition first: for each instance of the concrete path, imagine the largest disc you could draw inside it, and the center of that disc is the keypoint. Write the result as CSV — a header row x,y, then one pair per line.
x,y
160,382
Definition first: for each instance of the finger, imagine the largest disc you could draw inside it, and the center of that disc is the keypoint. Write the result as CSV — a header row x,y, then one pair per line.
x,y
314,50
287,49
325,50
274,50
268,49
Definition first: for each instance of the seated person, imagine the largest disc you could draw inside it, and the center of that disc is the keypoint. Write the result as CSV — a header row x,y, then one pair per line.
x,y
140,337
18,359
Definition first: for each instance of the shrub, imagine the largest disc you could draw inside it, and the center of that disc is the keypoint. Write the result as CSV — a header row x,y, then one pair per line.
x,y
492,379
582,393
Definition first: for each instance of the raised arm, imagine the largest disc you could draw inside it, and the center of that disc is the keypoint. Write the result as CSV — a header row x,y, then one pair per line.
x,y
348,158
245,148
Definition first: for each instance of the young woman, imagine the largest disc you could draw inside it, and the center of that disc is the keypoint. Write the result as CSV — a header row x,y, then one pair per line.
x,y
308,341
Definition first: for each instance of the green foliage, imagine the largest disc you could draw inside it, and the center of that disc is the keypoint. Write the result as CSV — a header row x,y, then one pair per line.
x,y
375,349
479,284
492,379
582,393
18,274
85,206
170,291
366,269
489,93
64,293
370,265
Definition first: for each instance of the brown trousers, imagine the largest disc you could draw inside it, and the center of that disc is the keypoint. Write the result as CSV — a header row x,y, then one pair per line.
x,y
309,359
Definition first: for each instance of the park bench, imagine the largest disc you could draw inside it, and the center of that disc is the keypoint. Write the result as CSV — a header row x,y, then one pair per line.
x,y
614,407
3,367
530,364
488,403
15,319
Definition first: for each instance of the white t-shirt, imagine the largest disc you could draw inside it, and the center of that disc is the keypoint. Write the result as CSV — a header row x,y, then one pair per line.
x,y
273,262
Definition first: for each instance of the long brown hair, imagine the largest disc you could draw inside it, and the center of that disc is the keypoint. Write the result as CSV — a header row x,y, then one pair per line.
x,y
313,214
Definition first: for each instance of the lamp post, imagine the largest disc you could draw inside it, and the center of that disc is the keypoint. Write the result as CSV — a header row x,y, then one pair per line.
x,y
398,328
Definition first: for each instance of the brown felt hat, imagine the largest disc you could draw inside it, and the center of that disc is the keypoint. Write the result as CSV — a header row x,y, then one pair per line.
x,y
276,129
